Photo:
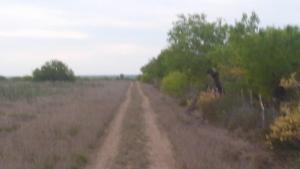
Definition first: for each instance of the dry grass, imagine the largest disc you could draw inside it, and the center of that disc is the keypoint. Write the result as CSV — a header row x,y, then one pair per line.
x,y
57,130
133,144
203,146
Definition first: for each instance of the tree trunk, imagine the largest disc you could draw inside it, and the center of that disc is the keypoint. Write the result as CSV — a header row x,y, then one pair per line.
x,y
216,78
262,111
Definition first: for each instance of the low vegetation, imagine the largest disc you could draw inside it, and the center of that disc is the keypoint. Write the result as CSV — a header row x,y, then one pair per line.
x,y
59,127
13,90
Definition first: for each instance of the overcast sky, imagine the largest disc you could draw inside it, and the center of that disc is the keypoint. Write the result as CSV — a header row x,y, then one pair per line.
x,y
96,37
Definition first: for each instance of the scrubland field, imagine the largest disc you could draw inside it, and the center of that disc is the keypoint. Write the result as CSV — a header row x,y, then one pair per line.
x,y
116,124
54,125
221,92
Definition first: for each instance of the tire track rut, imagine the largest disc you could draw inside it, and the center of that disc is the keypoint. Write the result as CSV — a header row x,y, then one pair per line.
x,y
160,152
109,149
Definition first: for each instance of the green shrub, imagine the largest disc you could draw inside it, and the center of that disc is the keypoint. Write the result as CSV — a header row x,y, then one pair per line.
x,y
145,78
53,71
175,84
27,78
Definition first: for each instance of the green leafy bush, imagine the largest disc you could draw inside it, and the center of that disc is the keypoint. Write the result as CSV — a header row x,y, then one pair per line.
x,y
27,78
145,78
175,83
53,71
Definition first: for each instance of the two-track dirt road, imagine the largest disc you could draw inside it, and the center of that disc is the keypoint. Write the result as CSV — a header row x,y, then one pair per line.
x,y
150,131
161,155
134,121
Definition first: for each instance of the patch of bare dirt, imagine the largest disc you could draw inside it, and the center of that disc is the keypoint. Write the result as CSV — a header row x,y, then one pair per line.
x,y
160,150
110,146
133,150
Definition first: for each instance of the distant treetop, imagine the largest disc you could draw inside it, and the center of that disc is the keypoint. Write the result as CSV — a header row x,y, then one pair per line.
x,y
53,70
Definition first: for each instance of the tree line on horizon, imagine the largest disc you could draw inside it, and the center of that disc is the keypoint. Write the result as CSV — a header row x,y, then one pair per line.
x,y
56,70
53,70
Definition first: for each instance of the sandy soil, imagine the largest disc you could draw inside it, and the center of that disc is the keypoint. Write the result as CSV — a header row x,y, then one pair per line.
x,y
160,153
109,148
161,156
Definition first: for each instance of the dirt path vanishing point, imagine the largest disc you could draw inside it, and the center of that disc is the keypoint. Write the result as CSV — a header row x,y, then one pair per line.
x,y
109,149
160,155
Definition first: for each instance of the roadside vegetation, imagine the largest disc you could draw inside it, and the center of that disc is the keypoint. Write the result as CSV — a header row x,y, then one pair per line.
x,y
175,83
199,145
240,76
55,125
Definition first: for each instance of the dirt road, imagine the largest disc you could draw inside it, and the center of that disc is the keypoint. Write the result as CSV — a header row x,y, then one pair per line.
x,y
134,140
109,149
151,132
161,155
